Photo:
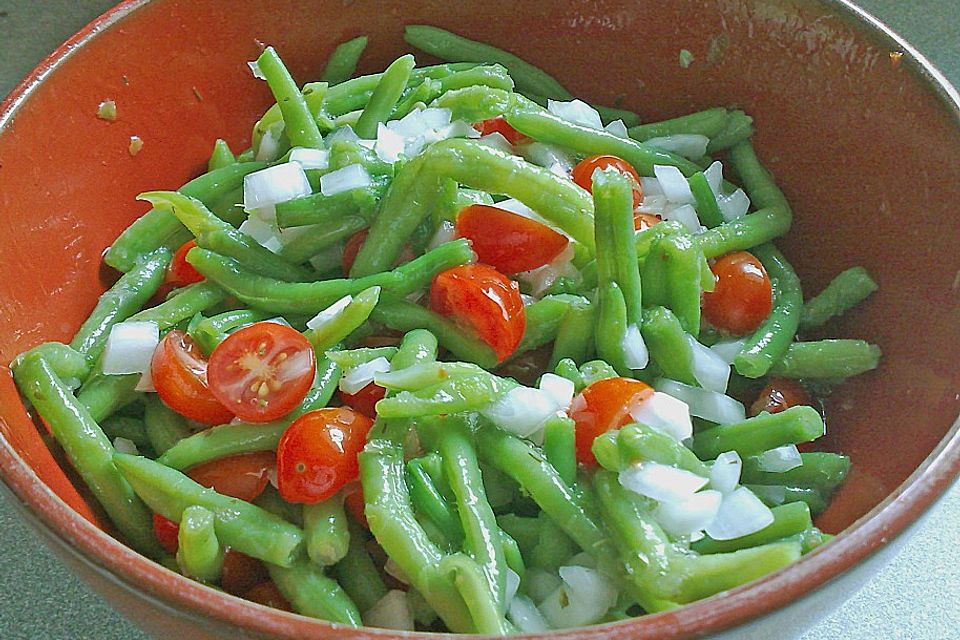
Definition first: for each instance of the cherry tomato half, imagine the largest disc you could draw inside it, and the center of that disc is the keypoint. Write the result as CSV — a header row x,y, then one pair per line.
x,y
243,476
583,173
240,572
352,248
180,273
267,594
485,300
779,395
602,406
501,126
743,298
262,371
167,532
365,401
179,373
317,454
643,221
506,241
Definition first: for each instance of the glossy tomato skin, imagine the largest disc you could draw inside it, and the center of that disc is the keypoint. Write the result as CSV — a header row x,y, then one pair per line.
x,y
179,371
602,406
240,572
352,248
583,173
506,241
743,297
262,371
365,401
167,532
317,454
501,126
243,476
779,395
180,273
484,299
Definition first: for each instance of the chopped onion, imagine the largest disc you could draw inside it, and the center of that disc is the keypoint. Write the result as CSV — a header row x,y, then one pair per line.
x,y
635,353
255,69
391,568
540,279
661,482
269,147
496,141
458,129
618,129
446,232
688,145
674,184
123,445
650,186
352,176
558,388
538,583
262,232
310,158
664,413
734,205
392,611
583,599
655,204
780,459
714,176
330,313
583,559
725,472
741,513
770,494
709,369
513,585
130,347
709,405
344,133
390,144
525,616
549,156
728,350
145,383
436,118
686,215
690,515
357,378
577,112
527,300
279,183
522,410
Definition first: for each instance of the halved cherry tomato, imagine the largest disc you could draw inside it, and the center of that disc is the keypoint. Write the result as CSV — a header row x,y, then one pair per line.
x,y
167,532
501,126
743,298
365,400
180,273
352,248
643,221
484,299
317,454
355,504
779,395
506,241
243,476
267,593
179,373
262,371
240,572
602,406
583,173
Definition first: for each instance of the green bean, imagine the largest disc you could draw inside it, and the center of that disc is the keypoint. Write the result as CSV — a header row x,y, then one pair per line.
x,y
673,273
494,76
384,98
299,124
325,530
85,444
827,359
428,501
326,210
775,495
309,297
199,553
343,61
770,342
471,582
209,332
422,94
757,181
610,114
512,555
524,531
417,347
611,331
821,471
333,329
357,573
270,500
705,123
101,395
844,292
158,228
186,303
315,241
448,46
313,594
125,427
743,233
164,426
420,376
646,239
543,320
788,520
475,103
239,524
668,344
353,94
616,248
638,443
554,548
574,335
738,128
706,202
221,156
760,433
120,301
468,392
559,448
708,575
350,358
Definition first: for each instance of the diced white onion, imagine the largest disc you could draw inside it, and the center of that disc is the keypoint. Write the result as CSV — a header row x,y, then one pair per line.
x,y
780,459
391,568
656,204
357,378
390,144
367,144
522,410
279,183
145,383
725,472
264,233
445,233
328,314
690,515
734,205
538,583
650,186
526,617
770,494
123,445
130,347
688,145
269,147
344,133
635,353
549,156
709,405
661,482
664,413
741,513
618,129
436,118
458,129
496,141
513,585
714,176
558,388
540,279
255,69
310,158
728,350
583,559
674,184
392,611
709,369
577,112
584,598
352,176
686,215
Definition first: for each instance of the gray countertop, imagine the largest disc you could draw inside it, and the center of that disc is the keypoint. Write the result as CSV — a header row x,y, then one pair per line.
x,y
916,597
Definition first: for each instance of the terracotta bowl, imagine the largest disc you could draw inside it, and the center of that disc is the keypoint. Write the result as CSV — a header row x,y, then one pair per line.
x,y
858,135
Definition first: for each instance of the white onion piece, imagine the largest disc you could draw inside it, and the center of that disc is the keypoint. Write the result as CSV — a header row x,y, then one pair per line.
x,y
357,378
444,233
391,568
728,350
124,445
661,482
145,383
496,141
269,147
650,186
352,176
618,129
390,144
522,410
549,156
279,183
412,125
527,300
344,133
709,405
255,69
690,515
130,347
780,459
725,472
538,583
674,184
664,413
577,112
584,598
513,585
770,494
436,118
330,313
688,145
714,176
656,204
734,205
583,559
635,353
264,233
709,369
392,611
741,513
540,279
558,388
310,158
458,129
686,215
526,617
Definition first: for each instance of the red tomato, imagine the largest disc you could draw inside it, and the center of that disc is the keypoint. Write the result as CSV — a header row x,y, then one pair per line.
x,y
317,454
352,248
355,504
262,371
583,173
779,395
603,406
179,373
506,241
742,299
267,593
167,532
365,401
485,300
180,273
240,572
501,126
643,221
243,476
